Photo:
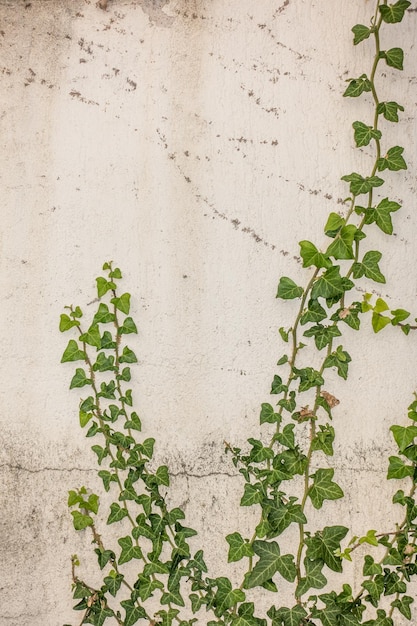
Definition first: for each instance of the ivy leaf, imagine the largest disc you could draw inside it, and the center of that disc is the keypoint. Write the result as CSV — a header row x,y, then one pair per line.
x,y
379,322
394,58
323,488
73,353
360,185
128,356
128,327
80,520
226,597
389,110
334,224
270,562
363,134
66,323
239,548
393,13
398,469
117,513
323,335
277,385
312,256
268,415
146,586
403,605
309,378
288,290
341,247
104,556
324,439
245,616
133,612
369,267
282,515
103,286
98,614
404,436
80,379
113,582
103,315
92,337
325,544
122,303
360,32
330,284
370,568
129,551
251,495
287,617
381,215
358,86
314,577
314,313
393,160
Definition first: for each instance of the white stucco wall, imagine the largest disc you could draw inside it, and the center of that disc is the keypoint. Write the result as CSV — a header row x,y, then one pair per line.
x,y
193,142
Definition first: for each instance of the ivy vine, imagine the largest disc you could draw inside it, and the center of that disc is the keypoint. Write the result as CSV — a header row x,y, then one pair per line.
x,y
171,582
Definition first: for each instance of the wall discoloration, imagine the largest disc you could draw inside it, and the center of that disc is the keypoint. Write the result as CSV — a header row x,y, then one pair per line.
x,y
195,143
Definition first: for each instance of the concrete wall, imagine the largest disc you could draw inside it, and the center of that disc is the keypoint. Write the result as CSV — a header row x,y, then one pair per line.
x,y
193,142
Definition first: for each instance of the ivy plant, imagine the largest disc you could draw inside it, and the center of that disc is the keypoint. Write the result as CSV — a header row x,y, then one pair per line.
x,y
171,583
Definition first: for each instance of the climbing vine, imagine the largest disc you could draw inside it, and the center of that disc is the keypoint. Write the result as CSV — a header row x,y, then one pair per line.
x,y
284,474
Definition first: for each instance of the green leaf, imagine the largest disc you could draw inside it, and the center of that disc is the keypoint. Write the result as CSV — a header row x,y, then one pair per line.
x,y
394,58
363,134
287,617
360,185
323,488
250,496
325,544
312,256
323,335
270,562
226,597
399,315
393,13
403,605
323,439
162,476
393,160
286,438
92,337
288,290
341,247
404,436
133,612
398,469
277,385
330,284
80,520
381,214
129,551
134,423
73,353
103,286
361,33
370,568
122,303
98,614
239,548
389,110
314,577
104,363
104,556
80,379
128,356
369,267
314,313
379,322
103,315
357,86
148,446
113,582
117,513
333,225
146,586
282,515
309,378
268,415
128,327
66,323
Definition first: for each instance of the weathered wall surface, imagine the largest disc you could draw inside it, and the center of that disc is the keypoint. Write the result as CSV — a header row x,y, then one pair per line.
x,y
193,142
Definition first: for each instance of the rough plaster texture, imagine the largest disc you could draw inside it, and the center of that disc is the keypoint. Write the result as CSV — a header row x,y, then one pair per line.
x,y
194,142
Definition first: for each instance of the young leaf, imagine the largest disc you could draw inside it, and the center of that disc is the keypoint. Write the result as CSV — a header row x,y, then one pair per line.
x,y
395,58
369,267
122,303
360,185
382,215
364,134
393,160
288,290
393,13
389,110
66,323
360,32
73,353
312,256
80,379
358,86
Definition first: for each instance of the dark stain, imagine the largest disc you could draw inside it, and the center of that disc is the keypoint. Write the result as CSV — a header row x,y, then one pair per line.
x,y
131,84
281,9
76,94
